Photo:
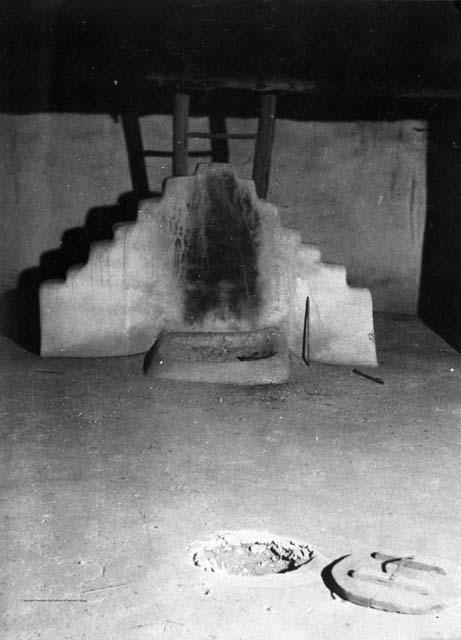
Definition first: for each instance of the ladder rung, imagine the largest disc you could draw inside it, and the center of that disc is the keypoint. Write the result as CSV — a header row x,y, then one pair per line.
x,y
222,136
169,154
157,154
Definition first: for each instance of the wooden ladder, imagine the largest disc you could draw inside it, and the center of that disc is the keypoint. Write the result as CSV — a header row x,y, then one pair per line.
x,y
263,137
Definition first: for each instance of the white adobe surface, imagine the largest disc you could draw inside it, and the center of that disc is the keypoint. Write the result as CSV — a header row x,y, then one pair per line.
x,y
130,289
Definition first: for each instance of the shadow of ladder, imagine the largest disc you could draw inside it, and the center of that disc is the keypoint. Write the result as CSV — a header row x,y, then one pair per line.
x,y
217,135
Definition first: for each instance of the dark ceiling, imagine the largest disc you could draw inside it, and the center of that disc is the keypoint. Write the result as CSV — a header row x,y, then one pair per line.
x,y
55,53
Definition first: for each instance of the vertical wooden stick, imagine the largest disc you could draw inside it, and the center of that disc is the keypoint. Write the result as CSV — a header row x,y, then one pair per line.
x,y
264,141
135,151
306,334
180,129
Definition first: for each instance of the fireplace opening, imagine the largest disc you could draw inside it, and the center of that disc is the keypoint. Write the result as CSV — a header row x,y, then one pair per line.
x,y
218,256
211,258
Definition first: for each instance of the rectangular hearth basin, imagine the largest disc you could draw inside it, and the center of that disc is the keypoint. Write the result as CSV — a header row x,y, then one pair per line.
x,y
238,357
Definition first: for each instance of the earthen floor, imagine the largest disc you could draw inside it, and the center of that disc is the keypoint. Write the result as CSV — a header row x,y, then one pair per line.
x,y
108,476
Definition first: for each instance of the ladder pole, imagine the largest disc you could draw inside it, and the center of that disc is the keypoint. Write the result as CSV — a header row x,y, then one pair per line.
x,y
264,141
180,130
133,141
218,136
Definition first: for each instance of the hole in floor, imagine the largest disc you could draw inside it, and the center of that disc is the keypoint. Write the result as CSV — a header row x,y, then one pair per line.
x,y
251,554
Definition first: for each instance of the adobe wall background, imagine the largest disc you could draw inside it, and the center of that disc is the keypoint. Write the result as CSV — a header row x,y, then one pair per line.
x,y
357,189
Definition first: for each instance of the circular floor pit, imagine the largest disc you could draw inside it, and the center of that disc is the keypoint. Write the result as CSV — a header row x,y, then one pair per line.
x,y
251,553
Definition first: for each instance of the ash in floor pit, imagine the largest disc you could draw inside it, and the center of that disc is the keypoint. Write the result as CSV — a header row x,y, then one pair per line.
x,y
262,555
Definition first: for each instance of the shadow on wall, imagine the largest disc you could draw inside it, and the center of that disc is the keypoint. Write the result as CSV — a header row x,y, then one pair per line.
x,y
440,290
20,319
19,308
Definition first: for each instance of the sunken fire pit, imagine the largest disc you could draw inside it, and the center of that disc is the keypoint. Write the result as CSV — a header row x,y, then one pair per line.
x,y
238,357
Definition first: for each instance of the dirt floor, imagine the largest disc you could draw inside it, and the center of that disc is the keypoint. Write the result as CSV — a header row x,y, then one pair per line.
x,y
108,477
